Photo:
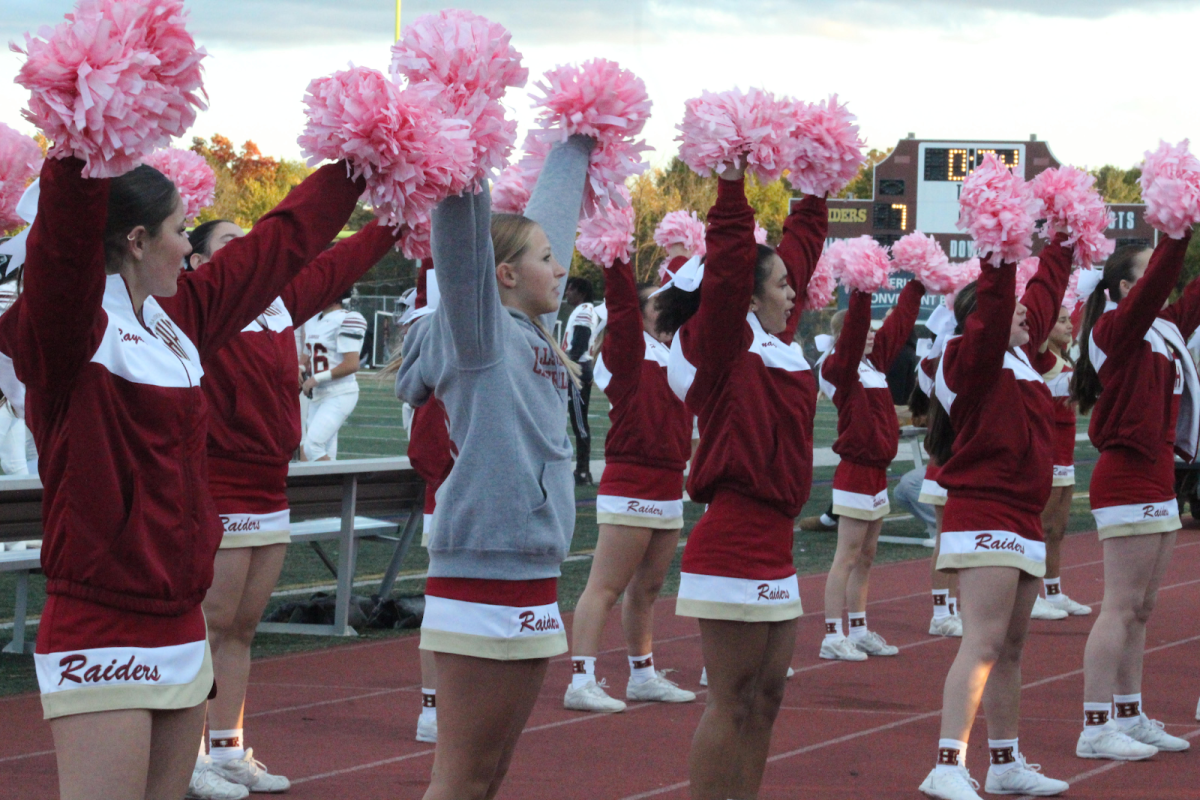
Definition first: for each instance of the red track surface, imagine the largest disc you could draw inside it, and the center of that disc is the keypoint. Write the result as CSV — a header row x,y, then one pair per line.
x,y
340,722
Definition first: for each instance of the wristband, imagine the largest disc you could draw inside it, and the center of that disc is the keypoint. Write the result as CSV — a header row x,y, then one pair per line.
x,y
323,377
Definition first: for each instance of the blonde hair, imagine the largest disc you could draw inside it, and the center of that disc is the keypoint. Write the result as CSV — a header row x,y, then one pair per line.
x,y
836,323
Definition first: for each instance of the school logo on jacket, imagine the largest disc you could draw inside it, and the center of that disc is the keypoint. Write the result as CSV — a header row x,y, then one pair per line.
x,y
170,337
987,541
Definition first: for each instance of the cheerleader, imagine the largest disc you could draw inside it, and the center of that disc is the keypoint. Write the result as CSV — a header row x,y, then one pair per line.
x,y
507,510
1135,371
755,398
639,505
130,527
852,376
253,431
993,439
1053,361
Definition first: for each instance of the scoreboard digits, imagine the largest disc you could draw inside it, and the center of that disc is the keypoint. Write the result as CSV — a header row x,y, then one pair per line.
x,y
954,164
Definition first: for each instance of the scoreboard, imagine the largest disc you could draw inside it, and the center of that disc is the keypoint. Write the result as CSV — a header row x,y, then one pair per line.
x,y
917,188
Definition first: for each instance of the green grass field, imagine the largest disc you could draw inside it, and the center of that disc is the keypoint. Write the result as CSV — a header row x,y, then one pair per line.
x,y
375,430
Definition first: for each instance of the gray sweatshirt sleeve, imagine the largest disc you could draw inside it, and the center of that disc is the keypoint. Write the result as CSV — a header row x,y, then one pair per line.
x,y
466,269
556,201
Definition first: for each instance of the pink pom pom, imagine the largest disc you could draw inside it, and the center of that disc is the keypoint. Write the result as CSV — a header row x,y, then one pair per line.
x,y
821,285
191,174
718,129
860,264
1073,205
417,242
511,193
608,103
409,153
760,234
464,63
1026,269
681,227
924,258
1071,295
1170,184
829,151
606,238
20,162
999,210
113,83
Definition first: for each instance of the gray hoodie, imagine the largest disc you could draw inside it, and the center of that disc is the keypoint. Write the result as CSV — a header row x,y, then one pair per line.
x,y
507,511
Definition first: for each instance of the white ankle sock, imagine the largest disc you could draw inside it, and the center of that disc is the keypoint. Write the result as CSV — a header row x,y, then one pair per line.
x,y
1127,710
1053,588
952,754
1095,718
226,745
858,624
583,670
641,668
1004,755
833,629
952,602
428,703
941,603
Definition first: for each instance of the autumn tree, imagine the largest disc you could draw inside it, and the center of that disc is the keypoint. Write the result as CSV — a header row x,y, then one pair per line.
x,y
862,186
1118,185
249,184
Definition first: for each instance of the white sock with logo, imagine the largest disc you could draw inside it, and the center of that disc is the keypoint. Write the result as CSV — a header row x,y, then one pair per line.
x,y
952,603
641,668
583,670
1004,754
428,703
858,624
952,754
941,603
1053,588
1095,718
226,745
833,629
1127,710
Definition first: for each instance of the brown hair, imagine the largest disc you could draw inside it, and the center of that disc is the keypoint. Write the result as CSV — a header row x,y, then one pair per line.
x,y
141,197
1085,383
939,442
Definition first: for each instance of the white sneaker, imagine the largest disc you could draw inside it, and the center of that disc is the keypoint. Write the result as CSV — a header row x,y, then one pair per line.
x,y
1113,744
207,784
1044,609
874,645
1150,731
252,774
658,690
841,650
427,729
946,626
1024,778
1068,605
950,784
591,697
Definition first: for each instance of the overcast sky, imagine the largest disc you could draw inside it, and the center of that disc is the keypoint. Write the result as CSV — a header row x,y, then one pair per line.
x,y
1100,80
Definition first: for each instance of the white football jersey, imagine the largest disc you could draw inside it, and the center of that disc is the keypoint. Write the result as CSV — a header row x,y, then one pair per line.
x,y
584,315
327,340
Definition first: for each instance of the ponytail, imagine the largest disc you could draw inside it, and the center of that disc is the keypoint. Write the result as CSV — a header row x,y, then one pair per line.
x,y
1085,383
939,442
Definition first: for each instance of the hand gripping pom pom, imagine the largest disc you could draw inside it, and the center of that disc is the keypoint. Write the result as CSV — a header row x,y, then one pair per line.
x,y
1073,205
684,228
860,264
1026,269
828,149
718,129
113,83
605,238
999,211
760,234
821,285
409,153
20,162
924,258
464,63
191,174
1170,184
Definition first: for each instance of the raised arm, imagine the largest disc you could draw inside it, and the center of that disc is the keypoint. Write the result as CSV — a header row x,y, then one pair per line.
x,y
465,266
1132,318
980,357
244,276
556,201
898,326
332,273
1185,312
841,366
1044,295
624,347
58,323
804,233
719,326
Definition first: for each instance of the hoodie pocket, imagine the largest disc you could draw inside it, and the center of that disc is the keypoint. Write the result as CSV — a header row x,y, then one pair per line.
x,y
552,520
